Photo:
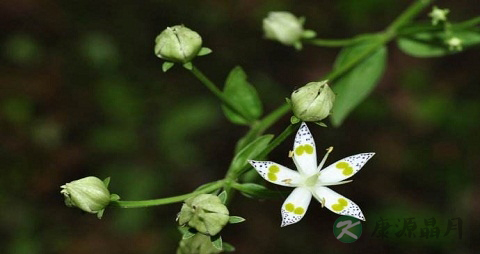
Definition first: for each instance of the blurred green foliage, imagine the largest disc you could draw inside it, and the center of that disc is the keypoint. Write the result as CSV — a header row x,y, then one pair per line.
x,y
83,94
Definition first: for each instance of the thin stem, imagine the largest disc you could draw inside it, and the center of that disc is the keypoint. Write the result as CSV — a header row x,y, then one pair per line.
x,y
277,141
261,126
338,42
406,16
164,201
336,73
381,39
217,92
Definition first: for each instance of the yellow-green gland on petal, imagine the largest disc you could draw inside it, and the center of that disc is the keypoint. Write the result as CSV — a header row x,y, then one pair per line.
x,y
205,212
178,44
283,27
89,194
313,102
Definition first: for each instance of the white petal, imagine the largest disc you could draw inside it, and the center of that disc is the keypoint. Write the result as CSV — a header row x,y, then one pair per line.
x,y
295,206
304,152
338,203
344,168
276,173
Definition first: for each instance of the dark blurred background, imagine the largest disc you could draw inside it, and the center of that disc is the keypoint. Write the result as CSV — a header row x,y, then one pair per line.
x,y
83,94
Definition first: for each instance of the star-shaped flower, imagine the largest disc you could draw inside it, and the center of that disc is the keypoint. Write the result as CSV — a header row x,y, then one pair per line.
x,y
311,180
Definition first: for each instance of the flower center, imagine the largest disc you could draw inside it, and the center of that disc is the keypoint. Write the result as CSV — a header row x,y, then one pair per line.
x,y
312,180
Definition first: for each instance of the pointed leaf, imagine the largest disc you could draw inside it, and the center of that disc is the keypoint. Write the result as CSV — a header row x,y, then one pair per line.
x,y
188,66
189,233
106,181
243,95
166,66
216,241
354,86
228,247
253,190
223,197
100,214
249,152
235,219
204,51
114,197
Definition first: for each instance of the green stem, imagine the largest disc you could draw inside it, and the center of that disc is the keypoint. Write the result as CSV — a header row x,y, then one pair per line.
x,y
382,38
164,201
338,72
406,16
338,42
217,92
277,141
261,126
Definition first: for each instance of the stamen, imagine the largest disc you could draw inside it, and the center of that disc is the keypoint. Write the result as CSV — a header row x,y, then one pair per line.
x,y
329,150
290,154
323,202
287,181
337,183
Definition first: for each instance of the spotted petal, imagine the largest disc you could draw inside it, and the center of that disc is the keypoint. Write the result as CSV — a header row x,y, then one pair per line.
x,y
344,168
295,206
304,152
276,173
337,203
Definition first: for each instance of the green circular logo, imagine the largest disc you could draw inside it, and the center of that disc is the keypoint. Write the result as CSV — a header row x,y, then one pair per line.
x,y
347,229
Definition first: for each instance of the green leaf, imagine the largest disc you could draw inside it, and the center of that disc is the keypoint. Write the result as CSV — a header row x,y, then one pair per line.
x,y
235,219
188,66
249,152
216,241
228,247
243,95
204,51
253,190
432,43
106,181
354,86
189,233
100,214
294,120
223,197
114,197
166,66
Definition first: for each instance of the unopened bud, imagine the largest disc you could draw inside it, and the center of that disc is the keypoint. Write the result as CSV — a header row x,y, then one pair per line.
x,y
313,102
199,243
286,28
89,194
205,212
178,44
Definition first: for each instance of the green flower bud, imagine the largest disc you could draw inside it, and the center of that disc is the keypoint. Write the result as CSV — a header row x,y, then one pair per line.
x,y
286,28
197,244
205,212
89,194
178,44
313,102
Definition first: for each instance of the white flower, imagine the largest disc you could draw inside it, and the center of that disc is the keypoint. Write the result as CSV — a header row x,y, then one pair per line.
x,y
438,15
455,44
310,180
